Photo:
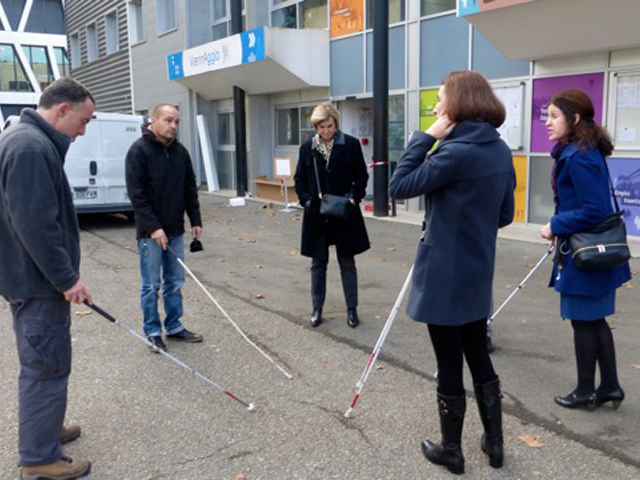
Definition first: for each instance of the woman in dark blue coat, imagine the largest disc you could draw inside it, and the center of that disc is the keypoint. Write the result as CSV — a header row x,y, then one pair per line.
x,y
468,183
582,195
341,171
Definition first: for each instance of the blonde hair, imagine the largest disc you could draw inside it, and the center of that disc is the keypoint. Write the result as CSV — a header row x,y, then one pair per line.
x,y
323,112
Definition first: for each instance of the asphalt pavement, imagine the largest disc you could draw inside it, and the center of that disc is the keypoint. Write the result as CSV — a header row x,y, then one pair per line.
x,y
145,418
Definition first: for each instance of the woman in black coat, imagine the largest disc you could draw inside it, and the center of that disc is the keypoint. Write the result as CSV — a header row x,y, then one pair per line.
x,y
468,183
341,171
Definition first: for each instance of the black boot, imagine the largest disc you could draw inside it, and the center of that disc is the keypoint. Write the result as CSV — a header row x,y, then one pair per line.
x,y
316,317
489,401
352,318
448,452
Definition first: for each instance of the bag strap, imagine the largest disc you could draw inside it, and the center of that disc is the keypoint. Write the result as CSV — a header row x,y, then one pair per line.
x,y
315,167
613,191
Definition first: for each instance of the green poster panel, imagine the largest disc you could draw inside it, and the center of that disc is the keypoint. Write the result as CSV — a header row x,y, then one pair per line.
x,y
428,100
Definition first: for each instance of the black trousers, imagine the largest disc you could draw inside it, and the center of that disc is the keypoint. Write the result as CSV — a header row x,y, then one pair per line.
x,y
453,343
349,275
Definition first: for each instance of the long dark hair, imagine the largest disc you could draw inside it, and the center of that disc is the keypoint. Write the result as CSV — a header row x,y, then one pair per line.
x,y
586,133
470,97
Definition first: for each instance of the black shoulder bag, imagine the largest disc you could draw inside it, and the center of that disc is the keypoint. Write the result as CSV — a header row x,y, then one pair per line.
x,y
334,206
605,245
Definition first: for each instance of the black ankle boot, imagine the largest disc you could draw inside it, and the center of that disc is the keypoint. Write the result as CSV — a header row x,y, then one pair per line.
x,y
614,396
448,453
352,318
489,401
316,317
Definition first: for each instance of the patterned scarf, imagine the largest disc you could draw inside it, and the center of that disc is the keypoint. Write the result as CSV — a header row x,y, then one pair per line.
x,y
324,147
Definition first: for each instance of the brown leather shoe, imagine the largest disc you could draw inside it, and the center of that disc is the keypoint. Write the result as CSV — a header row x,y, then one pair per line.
x,y
64,469
69,434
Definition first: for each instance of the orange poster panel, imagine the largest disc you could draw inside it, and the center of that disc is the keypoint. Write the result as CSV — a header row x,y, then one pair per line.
x,y
520,165
347,16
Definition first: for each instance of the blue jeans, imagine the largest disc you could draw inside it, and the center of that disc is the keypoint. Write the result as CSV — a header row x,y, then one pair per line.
x,y
42,327
153,261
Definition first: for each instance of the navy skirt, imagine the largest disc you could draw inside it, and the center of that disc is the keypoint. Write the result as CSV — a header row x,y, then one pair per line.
x,y
577,307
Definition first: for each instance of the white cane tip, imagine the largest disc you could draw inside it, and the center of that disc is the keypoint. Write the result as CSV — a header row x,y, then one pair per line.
x,y
289,376
251,407
348,413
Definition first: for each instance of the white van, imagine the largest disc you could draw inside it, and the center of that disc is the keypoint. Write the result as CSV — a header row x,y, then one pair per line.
x,y
95,163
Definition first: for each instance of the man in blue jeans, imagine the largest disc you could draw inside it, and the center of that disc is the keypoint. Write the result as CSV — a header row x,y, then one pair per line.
x,y
40,271
162,186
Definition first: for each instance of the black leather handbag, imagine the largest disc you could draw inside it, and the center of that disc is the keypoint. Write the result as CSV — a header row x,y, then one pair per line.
x,y
605,245
334,206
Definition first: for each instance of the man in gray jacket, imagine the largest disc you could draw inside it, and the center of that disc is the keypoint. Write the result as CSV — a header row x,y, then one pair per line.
x,y
39,270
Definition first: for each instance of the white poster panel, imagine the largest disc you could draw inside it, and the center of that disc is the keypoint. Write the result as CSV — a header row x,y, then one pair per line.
x,y
511,131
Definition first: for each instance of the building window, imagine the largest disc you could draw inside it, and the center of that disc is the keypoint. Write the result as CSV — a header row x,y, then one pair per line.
x,y
39,61
92,42
74,45
13,10
300,14
12,76
431,7
62,61
226,150
46,16
288,126
111,32
221,18
306,129
396,129
136,22
166,13
396,11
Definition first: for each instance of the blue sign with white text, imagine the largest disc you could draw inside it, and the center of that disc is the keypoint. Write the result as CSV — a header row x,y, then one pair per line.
x,y
174,64
252,45
468,7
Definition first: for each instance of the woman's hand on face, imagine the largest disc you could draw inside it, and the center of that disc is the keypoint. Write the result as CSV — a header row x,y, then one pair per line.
x,y
441,128
547,234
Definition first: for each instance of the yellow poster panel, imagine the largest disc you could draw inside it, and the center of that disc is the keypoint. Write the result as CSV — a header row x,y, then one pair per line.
x,y
428,100
347,16
520,165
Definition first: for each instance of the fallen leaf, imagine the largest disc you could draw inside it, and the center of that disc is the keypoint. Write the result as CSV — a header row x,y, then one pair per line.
x,y
381,259
258,267
531,265
636,365
260,296
378,317
391,249
83,313
293,252
379,367
241,476
251,240
532,441
627,285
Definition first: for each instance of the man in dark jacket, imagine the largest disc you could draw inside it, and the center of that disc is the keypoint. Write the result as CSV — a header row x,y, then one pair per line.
x,y
39,270
162,186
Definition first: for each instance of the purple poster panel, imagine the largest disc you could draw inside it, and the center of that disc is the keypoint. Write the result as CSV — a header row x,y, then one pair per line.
x,y
625,173
544,88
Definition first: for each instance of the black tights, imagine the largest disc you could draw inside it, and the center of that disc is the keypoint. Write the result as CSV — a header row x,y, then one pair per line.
x,y
594,343
450,345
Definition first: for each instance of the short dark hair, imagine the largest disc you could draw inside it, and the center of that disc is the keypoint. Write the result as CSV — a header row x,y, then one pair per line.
x,y
470,97
157,110
586,133
64,90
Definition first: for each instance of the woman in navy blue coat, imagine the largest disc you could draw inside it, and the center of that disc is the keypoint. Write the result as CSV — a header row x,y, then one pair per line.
x,y
582,195
468,183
